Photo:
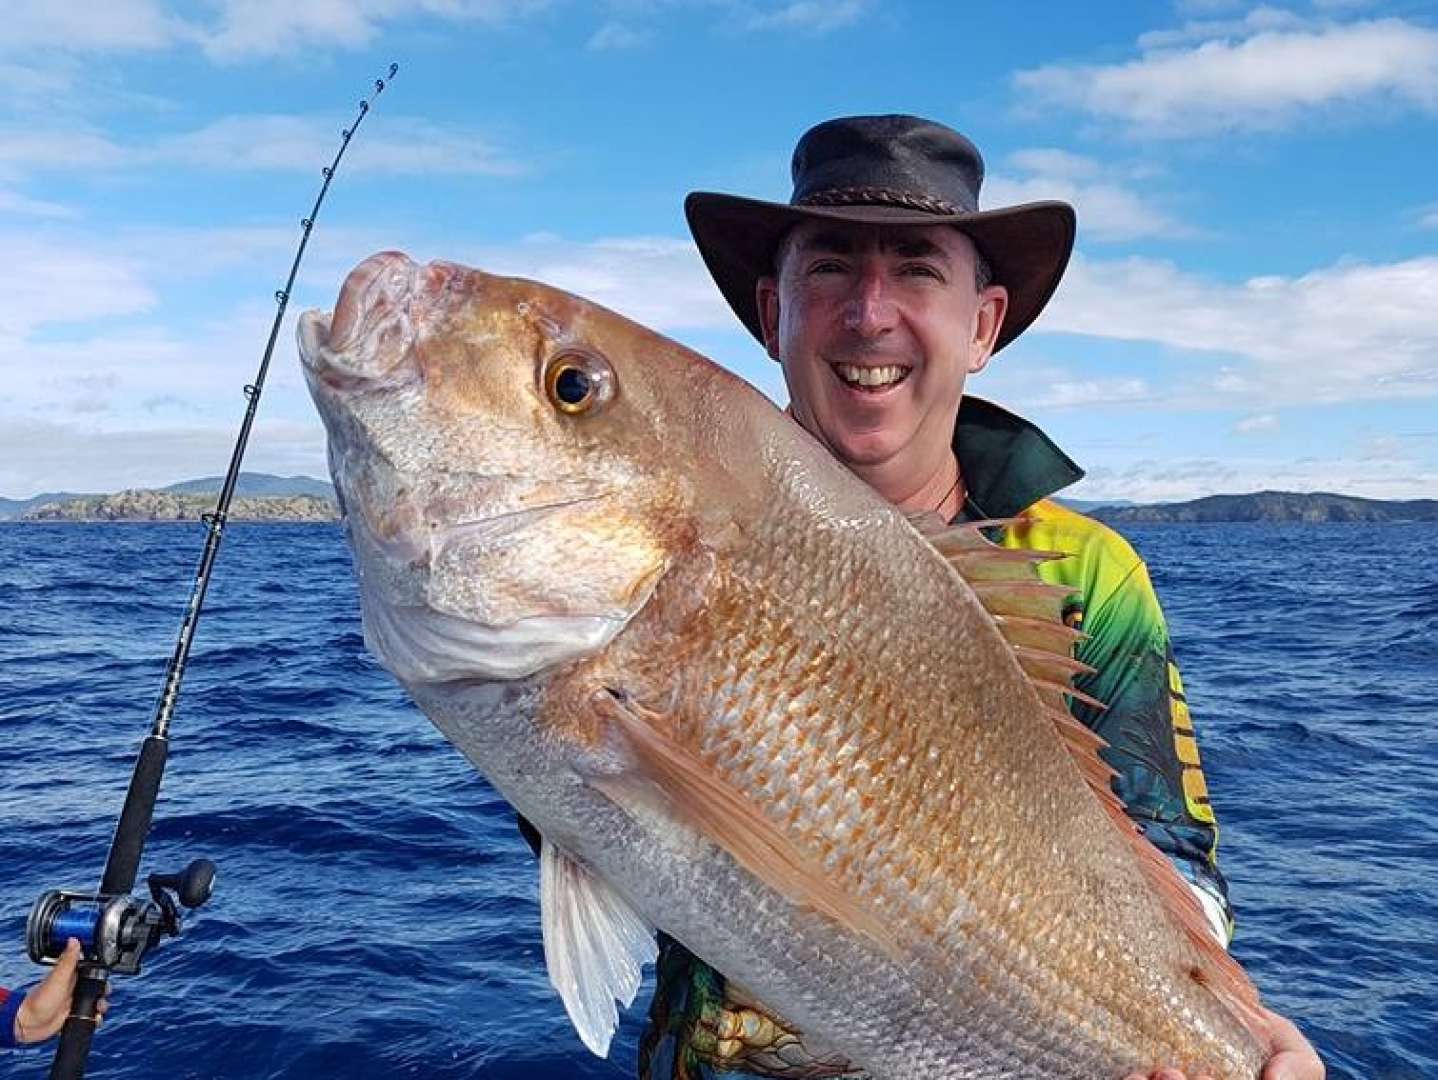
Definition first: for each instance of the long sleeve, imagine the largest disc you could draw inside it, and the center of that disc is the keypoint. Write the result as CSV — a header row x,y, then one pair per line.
x,y
10,1002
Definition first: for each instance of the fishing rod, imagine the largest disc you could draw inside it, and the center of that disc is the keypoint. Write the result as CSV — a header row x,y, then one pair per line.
x,y
115,929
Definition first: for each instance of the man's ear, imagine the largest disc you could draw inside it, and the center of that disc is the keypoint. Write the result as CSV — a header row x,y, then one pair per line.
x,y
766,297
988,320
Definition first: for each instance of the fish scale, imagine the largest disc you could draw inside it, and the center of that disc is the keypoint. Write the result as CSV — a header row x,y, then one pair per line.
x,y
725,716
769,719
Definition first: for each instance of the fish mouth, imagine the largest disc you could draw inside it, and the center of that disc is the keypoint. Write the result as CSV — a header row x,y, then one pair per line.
x,y
385,306
371,330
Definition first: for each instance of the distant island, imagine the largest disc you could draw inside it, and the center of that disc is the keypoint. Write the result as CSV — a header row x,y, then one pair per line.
x,y
263,497
1276,506
258,497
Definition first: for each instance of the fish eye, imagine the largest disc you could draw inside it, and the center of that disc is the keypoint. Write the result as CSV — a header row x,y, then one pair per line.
x,y
577,382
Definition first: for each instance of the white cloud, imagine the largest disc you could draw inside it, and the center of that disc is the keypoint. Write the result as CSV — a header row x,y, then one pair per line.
x,y
13,202
75,455
1255,82
1107,209
1398,476
42,285
249,29
92,345
1350,331
1261,424
1257,21
1051,161
658,281
230,30
809,16
405,146
24,150
616,35
1207,7
1032,386
32,81
112,25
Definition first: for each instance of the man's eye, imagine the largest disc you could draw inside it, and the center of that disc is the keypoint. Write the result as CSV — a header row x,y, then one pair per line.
x,y
923,270
826,266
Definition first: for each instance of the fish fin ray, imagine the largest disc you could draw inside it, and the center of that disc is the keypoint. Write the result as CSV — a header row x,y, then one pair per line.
x,y
595,945
712,806
1219,972
1029,612
1050,666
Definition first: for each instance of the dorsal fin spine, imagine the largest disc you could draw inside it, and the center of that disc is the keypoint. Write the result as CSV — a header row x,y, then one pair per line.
x,y
1021,604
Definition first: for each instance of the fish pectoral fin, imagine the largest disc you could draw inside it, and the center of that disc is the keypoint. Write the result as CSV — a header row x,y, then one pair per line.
x,y
707,802
595,945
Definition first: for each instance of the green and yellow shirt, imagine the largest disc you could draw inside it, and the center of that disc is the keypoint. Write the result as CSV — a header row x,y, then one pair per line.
x,y
701,1028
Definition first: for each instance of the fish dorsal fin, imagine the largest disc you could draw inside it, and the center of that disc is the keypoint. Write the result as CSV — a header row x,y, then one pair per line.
x,y
595,945
708,803
1029,614
1028,611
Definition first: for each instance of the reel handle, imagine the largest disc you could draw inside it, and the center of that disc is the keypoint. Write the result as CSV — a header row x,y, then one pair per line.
x,y
192,885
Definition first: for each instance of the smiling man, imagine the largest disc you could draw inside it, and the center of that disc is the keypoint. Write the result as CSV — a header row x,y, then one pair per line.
x,y
881,287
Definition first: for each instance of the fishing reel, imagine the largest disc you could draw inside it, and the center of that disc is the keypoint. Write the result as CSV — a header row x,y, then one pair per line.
x,y
116,931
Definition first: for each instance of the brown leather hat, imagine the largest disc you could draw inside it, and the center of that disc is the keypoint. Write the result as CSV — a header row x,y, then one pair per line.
x,y
896,170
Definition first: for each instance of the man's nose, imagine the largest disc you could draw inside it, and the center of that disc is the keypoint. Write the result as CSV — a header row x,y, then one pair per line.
x,y
870,310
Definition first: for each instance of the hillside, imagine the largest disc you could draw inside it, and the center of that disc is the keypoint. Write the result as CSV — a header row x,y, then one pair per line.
x,y
258,497
1275,506
140,505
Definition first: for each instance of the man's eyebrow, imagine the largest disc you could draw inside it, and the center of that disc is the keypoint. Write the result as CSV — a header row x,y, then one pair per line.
x,y
836,241
915,247
841,242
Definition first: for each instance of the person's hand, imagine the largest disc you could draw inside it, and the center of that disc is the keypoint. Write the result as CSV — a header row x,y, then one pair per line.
x,y
45,1007
1291,1056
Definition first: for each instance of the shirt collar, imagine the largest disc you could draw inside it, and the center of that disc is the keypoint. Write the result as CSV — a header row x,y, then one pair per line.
x,y
1007,463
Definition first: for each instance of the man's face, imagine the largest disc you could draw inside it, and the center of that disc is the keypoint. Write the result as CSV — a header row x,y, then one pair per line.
x,y
877,328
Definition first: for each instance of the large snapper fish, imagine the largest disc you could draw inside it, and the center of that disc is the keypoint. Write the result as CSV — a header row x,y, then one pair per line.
x,y
746,701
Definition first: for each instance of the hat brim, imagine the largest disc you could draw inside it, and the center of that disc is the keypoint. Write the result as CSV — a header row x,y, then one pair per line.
x,y
1027,246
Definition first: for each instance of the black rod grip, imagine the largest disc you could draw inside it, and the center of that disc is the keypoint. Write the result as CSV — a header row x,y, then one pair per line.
x,y
79,1029
123,863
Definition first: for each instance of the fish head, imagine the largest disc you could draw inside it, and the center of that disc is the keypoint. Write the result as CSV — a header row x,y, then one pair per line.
x,y
501,456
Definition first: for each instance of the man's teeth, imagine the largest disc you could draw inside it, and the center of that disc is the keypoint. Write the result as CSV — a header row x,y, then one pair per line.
x,y
870,376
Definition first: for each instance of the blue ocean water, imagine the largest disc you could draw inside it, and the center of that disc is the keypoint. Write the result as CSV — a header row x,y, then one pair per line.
x,y
375,913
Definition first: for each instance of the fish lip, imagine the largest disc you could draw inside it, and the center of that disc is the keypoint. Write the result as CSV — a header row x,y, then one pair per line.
x,y
377,287
338,349
312,331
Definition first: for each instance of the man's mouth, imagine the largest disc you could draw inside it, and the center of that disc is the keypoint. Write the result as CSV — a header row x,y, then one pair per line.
x,y
871,378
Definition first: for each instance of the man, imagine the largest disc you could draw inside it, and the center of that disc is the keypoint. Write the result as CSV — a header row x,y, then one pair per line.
x,y
880,287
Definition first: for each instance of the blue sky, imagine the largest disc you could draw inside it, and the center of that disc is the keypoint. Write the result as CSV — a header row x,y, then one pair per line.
x,y
1253,302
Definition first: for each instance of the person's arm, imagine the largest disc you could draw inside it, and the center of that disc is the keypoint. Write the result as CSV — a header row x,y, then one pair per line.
x,y
34,1016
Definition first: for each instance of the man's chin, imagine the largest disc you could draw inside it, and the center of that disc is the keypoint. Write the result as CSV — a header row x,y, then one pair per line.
x,y
865,450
